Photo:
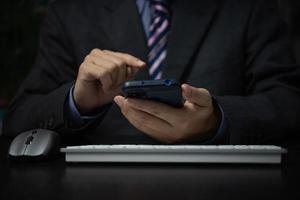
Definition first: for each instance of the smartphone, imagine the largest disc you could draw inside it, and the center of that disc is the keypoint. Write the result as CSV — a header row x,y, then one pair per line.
x,y
166,91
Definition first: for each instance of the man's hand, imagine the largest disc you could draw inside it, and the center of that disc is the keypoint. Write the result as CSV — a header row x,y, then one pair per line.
x,y
197,120
101,76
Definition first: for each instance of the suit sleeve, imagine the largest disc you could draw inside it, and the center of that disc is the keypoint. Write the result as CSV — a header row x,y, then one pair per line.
x,y
39,103
270,110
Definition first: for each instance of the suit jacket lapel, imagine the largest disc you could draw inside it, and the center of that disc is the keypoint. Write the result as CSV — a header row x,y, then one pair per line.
x,y
125,29
190,22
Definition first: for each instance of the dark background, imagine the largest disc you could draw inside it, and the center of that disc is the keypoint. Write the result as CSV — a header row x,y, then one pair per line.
x,y
20,21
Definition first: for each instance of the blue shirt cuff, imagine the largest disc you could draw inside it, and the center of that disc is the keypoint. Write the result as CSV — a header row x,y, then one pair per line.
x,y
221,134
73,113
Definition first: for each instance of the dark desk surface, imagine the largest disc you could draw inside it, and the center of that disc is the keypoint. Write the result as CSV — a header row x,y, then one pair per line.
x,y
59,180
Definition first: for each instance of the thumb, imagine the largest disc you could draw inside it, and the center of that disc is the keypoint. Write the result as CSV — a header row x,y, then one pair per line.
x,y
119,100
198,96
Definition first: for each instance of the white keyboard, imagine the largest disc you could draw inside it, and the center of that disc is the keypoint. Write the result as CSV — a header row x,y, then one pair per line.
x,y
174,154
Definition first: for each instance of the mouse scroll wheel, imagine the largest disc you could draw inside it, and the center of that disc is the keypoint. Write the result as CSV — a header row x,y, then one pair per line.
x,y
29,139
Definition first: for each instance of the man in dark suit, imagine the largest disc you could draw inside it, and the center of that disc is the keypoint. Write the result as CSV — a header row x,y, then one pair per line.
x,y
242,83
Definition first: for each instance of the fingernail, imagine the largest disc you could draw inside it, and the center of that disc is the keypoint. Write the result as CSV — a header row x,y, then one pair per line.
x,y
184,87
118,100
141,62
186,90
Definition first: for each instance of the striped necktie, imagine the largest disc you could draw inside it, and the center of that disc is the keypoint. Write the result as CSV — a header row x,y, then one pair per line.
x,y
158,36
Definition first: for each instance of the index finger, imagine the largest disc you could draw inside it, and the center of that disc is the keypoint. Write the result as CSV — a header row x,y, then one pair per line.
x,y
129,59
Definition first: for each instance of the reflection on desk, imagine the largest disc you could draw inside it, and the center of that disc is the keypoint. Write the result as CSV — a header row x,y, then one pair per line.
x,y
174,182
58,180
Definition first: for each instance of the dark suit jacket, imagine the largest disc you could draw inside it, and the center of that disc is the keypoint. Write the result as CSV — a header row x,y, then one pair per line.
x,y
236,49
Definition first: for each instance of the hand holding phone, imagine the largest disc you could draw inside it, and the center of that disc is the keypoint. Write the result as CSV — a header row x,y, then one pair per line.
x,y
197,119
